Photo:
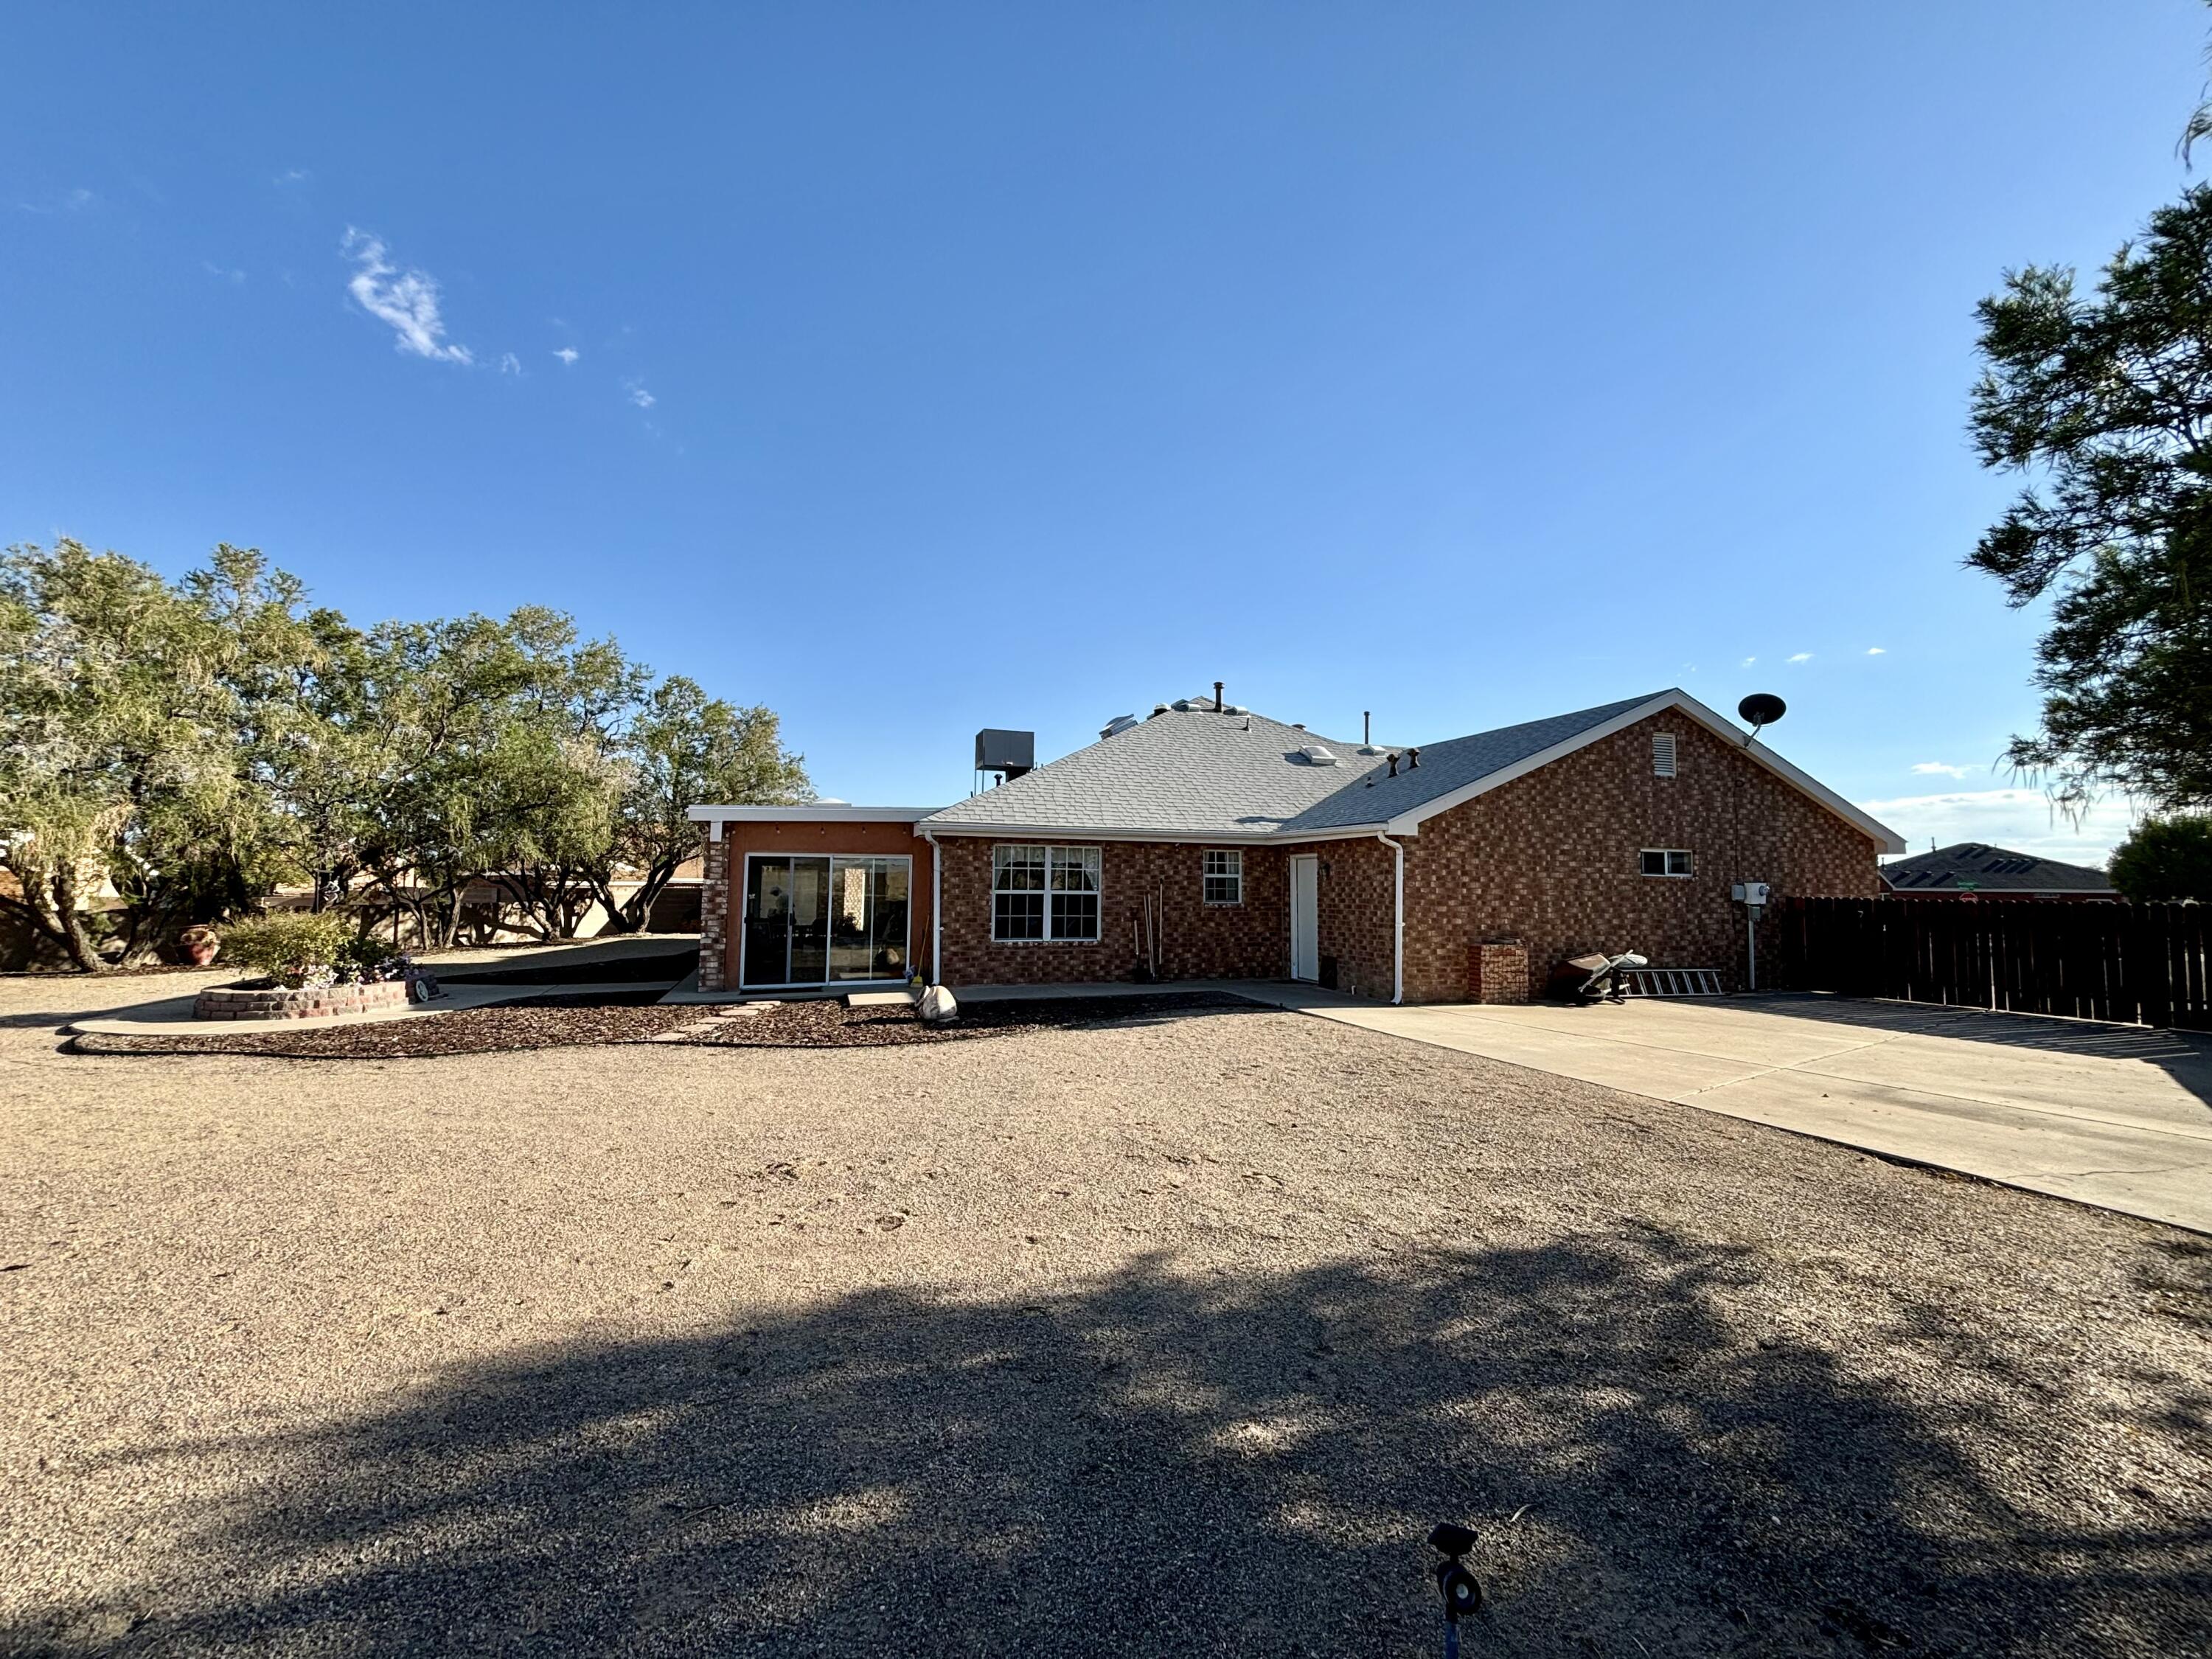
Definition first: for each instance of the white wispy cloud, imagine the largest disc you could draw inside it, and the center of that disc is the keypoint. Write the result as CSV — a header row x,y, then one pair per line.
x,y
568,353
2022,819
1935,769
638,394
407,300
1748,662
294,176
509,363
1802,656
1876,651
230,274
79,200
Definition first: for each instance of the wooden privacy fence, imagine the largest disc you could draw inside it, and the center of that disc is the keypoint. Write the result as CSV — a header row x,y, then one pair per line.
x,y
2131,962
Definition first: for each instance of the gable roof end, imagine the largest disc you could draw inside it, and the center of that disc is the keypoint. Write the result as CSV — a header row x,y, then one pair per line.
x,y
1618,718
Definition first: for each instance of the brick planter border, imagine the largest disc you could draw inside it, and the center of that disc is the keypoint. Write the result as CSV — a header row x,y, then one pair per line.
x,y
311,1002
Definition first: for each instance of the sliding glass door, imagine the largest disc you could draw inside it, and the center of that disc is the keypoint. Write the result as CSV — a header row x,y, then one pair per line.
x,y
816,921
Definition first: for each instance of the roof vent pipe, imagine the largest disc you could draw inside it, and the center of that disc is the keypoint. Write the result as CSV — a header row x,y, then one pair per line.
x,y
1412,758
1366,728
1393,766
1220,707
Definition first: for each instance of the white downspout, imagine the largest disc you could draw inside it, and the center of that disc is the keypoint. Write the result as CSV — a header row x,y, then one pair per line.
x,y
1398,918
936,910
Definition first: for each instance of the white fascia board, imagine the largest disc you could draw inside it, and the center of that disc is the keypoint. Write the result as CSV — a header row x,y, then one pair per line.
x,y
1070,832
1888,839
807,814
1341,832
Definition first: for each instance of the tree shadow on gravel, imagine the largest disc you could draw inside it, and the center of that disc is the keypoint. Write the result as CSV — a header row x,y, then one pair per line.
x,y
1161,1465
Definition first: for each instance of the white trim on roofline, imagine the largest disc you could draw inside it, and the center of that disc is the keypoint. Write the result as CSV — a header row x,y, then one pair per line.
x,y
810,813
1092,832
1409,823
1195,837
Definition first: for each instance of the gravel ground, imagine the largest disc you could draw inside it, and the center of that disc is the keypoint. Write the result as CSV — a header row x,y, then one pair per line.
x,y
1172,1336
555,1021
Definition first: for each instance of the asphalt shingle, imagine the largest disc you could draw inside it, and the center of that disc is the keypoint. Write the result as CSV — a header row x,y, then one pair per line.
x,y
1976,867
1191,771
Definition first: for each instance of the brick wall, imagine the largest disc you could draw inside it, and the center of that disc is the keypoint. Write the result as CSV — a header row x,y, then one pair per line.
x,y
1498,973
1251,941
1551,859
318,1002
714,965
1356,912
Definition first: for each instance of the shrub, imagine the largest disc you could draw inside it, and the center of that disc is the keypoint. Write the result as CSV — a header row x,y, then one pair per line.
x,y
364,961
2166,860
292,947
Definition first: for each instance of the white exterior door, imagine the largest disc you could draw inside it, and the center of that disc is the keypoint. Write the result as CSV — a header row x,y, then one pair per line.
x,y
1305,916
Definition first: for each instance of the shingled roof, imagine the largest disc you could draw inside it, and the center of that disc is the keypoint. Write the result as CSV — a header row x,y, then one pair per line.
x,y
1976,867
1194,772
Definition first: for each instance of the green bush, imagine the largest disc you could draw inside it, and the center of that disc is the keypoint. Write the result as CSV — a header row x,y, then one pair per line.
x,y
2166,860
291,946
360,961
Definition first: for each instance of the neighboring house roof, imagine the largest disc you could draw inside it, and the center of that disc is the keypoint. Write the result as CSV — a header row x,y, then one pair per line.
x,y
1975,866
1192,772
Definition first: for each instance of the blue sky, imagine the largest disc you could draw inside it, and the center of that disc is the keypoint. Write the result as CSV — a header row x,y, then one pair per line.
x,y
917,369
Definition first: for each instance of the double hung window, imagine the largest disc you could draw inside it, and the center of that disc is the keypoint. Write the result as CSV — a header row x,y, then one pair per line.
x,y
1040,893
1224,877
1665,861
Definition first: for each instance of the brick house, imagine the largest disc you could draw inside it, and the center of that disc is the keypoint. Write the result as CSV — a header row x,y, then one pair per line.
x,y
1223,844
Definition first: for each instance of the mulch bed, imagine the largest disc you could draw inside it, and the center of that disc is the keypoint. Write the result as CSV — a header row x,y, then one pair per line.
x,y
555,1021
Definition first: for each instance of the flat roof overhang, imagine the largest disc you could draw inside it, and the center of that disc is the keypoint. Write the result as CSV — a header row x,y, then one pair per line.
x,y
810,813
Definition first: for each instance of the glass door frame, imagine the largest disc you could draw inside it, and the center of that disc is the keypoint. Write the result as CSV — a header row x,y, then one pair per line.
x,y
743,895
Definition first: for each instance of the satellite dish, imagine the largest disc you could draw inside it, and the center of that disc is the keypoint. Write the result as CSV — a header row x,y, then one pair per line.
x,y
1762,708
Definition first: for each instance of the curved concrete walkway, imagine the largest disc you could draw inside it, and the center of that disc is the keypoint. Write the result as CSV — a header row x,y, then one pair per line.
x,y
2115,1116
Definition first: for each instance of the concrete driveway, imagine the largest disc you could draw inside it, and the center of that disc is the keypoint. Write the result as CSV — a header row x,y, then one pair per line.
x,y
2119,1116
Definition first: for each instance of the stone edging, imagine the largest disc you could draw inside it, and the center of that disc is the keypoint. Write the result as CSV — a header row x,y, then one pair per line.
x,y
310,1002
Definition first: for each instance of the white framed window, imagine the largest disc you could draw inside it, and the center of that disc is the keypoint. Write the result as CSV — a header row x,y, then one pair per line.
x,y
1224,878
1662,754
1666,861
1042,893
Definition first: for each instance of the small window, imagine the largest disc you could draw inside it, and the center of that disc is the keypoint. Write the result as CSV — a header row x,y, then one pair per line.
x,y
1040,893
1224,876
1666,861
1663,754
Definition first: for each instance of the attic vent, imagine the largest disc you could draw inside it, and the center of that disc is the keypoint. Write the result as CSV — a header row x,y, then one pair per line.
x,y
1118,724
1662,754
1318,754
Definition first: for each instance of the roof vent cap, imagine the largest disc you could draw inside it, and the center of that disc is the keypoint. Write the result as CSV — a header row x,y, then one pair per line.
x,y
1318,754
1118,724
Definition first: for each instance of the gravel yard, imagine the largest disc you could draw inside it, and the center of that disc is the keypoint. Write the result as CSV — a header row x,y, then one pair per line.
x,y
1167,1336
555,1021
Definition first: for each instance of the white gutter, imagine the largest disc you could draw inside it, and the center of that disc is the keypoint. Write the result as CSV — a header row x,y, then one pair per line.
x,y
936,909
1398,919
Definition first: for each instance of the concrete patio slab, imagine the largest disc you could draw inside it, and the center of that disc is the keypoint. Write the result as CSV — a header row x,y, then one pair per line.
x,y
2118,1116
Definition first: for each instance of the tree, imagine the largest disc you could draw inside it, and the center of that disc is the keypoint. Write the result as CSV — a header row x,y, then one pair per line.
x,y
684,749
176,751
2109,400
126,702
2166,860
